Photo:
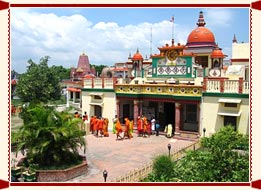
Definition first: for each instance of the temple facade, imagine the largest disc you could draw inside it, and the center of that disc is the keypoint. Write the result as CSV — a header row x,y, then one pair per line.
x,y
184,85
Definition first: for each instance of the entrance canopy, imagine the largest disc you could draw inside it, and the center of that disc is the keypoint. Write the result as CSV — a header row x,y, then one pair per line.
x,y
74,89
223,100
227,113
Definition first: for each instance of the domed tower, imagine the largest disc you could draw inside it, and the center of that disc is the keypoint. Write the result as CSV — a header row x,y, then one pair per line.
x,y
137,61
217,57
201,36
201,41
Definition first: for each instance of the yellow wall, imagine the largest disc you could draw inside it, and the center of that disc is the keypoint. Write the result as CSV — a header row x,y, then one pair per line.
x,y
108,106
213,122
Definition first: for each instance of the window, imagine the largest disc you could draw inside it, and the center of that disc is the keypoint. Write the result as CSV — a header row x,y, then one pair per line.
x,y
97,97
230,120
232,105
191,113
202,60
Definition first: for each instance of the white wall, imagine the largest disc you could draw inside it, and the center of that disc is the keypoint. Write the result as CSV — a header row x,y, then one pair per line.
x,y
108,106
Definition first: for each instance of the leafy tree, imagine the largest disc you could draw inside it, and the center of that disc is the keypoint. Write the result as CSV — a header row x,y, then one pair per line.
x,y
224,157
39,83
61,72
98,68
218,160
50,138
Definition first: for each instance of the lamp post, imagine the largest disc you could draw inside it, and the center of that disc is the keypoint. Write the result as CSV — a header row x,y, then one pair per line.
x,y
169,147
204,131
105,174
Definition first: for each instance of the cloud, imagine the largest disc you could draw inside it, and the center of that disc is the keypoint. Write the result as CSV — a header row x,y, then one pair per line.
x,y
64,38
217,17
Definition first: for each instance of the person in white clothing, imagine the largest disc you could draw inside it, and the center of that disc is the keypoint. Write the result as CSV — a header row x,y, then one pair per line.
x,y
153,123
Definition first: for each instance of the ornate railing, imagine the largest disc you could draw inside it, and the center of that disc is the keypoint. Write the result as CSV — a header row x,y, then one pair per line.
x,y
224,85
138,174
105,83
215,85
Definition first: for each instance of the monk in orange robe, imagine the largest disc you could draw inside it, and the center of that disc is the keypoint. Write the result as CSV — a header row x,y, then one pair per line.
x,y
127,128
140,126
100,126
105,127
96,126
92,124
118,130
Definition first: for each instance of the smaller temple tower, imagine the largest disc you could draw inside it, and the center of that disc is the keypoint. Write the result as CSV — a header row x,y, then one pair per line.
x,y
137,65
83,68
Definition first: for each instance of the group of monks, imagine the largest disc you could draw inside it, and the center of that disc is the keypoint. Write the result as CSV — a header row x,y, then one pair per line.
x,y
99,126
123,132
144,126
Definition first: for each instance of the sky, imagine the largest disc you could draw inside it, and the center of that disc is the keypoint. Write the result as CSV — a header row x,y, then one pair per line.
x,y
109,35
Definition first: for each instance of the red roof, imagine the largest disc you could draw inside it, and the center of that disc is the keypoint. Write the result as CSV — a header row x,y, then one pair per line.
x,y
217,53
13,82
137,56
201,34
74,89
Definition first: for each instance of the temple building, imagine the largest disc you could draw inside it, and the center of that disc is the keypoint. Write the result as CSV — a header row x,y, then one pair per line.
x,y
184,85
74,85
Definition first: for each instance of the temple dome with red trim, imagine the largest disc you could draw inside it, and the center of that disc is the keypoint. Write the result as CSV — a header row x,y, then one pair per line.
x,y
137,56
201,36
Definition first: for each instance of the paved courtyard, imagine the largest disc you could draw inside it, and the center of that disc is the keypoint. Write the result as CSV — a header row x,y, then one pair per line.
x,y
119,157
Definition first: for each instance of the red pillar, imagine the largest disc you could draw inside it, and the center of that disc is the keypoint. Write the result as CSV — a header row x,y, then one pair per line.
x,y
222,84
240,85
205,84
177,118
102,82
140,107
198,116
136,113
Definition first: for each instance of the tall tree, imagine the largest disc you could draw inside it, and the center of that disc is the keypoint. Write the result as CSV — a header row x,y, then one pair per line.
x,y
61,72
39,83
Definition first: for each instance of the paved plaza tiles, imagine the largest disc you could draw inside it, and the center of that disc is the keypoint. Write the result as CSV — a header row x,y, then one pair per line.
x,y
119,157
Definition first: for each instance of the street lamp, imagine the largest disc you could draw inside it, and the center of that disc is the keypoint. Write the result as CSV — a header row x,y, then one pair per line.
x,y
204,131
105,174
169,147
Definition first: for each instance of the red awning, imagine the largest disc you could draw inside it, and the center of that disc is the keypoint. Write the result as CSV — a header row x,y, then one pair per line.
x,y
74,89
13,82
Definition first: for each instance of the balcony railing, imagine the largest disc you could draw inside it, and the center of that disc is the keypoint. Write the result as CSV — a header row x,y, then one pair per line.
x,y
104,83
223,85
213,85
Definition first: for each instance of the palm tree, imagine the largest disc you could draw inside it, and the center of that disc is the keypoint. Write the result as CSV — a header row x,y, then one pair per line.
x,y
50,138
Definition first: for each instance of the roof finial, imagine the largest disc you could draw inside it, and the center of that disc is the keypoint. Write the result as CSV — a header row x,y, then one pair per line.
x,y
201,21
234,39
137,50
